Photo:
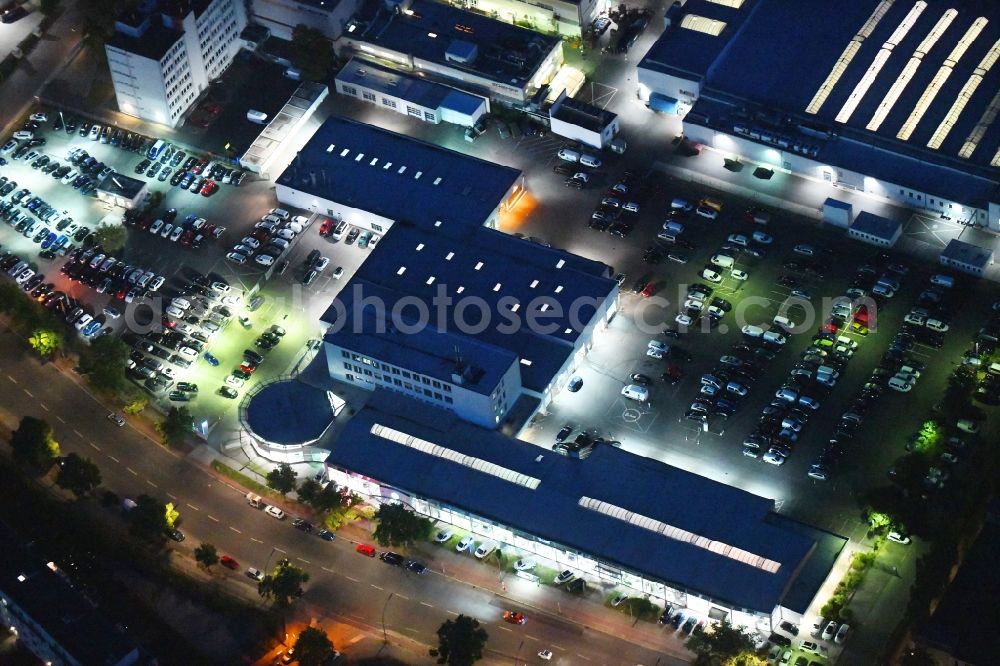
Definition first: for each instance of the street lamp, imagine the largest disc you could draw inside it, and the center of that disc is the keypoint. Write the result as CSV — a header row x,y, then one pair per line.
x,y
385,635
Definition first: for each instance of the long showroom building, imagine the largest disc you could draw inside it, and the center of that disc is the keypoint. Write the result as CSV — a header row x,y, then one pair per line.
x,y
897,100
682,539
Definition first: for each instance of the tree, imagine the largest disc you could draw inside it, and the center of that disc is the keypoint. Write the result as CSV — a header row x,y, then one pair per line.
x,y
206,555
321,498
721,643
149,518
45,341
78,475
112,237
48,7
312,53
397,525
99,17
460,642
313,647
34,444
104,363
282,478
283,584
135,406
175,428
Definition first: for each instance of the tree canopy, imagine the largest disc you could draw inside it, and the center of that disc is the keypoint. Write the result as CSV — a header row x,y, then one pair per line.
x,y
206,555
312,53
78,475
149,518
34,444
104,363
723,644
460,642
283,584
282,478
175,428
321,498
313,647
398,525
45,341
112,237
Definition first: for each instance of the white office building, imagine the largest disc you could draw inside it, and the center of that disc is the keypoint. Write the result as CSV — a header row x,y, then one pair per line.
x,y
161,62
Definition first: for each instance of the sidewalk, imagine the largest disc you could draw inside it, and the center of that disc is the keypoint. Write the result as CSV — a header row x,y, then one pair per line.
x,y
535,597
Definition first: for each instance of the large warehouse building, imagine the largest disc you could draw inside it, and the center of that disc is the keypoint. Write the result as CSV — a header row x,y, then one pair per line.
x,y
894,98
373,178
614,519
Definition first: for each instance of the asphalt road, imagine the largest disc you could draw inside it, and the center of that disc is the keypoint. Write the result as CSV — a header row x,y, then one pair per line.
x,y
358,588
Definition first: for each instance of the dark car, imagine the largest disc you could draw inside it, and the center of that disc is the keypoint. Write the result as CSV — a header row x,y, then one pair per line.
x,y
389,557
326,535
175,534
416,567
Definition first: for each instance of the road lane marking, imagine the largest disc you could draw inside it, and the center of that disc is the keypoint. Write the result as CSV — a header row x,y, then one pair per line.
x,y
302,560
235,530
211,517
424,603
78,434
44,406
151,483
171,496
451,612
257,540
61,419
402,596
558,647
582,656
113,458
504,628
284,552
11,379
531,638
132,471
30,394
350,578
97,448
377,587
329,570
192,506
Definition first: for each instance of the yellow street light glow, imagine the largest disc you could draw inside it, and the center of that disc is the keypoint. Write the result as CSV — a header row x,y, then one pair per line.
x,y
934,87
861,89
847,56
910,69
972,141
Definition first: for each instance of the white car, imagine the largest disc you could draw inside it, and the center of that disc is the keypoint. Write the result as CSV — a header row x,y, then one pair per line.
x,y
24,276
465,544
804,250
302,220
83,321
237,258
654,353
658,346
250,242
966,425
706,212
590,161
24,135
286,234
762,237
737,274
545,655
710,275
234,381
167,228
842,633
264,259
174,312
176,234
275,512
773,458
898,537
181,303
338,272
95,132
156,282
738,239
631,207
915,319
40,117
829,631
155,227
221,286
485,549
525,564
937,325
683,320
188,352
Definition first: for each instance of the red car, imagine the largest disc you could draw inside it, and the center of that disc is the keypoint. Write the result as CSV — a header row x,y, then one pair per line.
x,y
649,290
199,167
229,562
365,549
513,617
326,228
209,188
248,367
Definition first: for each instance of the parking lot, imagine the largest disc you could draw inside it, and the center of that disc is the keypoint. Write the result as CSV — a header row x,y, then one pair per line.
x,y
130,295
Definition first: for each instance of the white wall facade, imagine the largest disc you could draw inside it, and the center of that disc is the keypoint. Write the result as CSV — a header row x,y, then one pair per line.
x,y
483,409
798,164
355,216
583,564
683,89
405,107
140,86
555,16
599,140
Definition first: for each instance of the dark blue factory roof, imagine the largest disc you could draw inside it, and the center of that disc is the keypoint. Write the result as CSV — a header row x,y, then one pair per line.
x,y
289,412
414,89
397,177
496,269
47,596
774,54
153,44
457,39
552,509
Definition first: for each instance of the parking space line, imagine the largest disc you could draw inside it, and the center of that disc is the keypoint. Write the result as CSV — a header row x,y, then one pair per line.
x,y
503,628
255,539
94,446
78,434
283,552
192,506
402,596
424,603
131,471
350,578
235,530
60,419
44,406
302,560
212,518
171,496
151,483
115,459
377,587
558,647
11,379
30,394
583,656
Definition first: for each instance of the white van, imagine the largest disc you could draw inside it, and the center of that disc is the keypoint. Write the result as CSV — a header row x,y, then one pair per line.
x,y
774,337
681,204
673,227
753,331
568,155
636,392
942,280
722,260
783,322
590,161
667,237
256,116
293,74
900,384
339,231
